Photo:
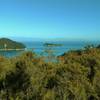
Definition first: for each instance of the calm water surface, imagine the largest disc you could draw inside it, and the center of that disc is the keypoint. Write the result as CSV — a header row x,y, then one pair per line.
x,y
39,48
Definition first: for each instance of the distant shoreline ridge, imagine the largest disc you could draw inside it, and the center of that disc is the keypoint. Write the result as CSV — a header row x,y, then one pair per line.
x,y
10,45
12,49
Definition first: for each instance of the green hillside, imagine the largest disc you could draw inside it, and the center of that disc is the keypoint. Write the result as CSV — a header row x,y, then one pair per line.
x,y
10,44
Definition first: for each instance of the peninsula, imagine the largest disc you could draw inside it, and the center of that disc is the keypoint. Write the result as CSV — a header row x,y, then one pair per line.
x,y
9,45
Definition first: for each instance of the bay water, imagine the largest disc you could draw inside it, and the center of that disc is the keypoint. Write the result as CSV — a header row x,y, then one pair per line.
x,y
38,47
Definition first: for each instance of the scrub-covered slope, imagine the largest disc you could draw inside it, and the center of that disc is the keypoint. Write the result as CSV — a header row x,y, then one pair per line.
x,y
10,44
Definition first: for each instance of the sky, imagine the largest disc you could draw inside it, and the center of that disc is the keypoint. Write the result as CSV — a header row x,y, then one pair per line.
x,y
65,19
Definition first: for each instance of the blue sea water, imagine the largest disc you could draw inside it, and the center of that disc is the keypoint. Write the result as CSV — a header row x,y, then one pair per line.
x,y
39,48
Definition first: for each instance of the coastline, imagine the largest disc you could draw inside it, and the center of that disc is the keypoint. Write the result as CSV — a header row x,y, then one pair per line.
x,y
12,49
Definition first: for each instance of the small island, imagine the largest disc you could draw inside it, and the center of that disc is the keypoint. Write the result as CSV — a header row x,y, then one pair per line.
x,y
10,45
52,44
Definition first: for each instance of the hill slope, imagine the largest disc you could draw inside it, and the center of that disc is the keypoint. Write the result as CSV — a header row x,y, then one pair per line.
x,y
6,43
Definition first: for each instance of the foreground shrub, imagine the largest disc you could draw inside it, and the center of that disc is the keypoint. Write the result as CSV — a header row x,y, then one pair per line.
x,y
28,77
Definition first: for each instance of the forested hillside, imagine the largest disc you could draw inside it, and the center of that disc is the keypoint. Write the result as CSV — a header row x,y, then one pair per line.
x,y
10,44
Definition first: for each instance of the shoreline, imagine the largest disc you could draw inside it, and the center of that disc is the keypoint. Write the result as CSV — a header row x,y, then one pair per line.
x,y
12,49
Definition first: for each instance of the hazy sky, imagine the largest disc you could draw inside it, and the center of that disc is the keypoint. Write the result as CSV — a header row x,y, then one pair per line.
x,y
71,19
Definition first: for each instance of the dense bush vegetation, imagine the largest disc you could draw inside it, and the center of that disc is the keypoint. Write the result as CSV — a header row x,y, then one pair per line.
x,y
76,76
